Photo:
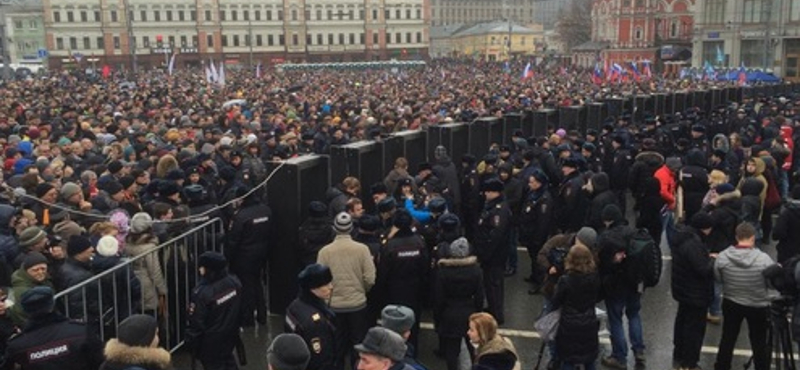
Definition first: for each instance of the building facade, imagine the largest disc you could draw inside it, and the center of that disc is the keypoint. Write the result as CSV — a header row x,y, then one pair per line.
x,y
244,32
487,41
26,36
633,30
451,12
762,34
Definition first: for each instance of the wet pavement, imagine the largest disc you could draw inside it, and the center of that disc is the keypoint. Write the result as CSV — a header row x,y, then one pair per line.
x,y
658,314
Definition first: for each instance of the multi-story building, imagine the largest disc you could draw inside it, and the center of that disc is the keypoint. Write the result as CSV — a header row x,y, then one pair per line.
x,y
488,41
119,32
754,33
25,33
634,30
450,12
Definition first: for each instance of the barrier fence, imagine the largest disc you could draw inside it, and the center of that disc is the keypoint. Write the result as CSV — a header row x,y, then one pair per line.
x,y
112,295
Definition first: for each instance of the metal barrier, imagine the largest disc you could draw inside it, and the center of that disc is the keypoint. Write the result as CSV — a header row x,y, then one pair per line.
x,y
111,295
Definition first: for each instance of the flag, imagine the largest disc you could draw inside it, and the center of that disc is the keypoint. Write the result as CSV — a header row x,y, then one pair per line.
x,y
214,75
597,75
635,70
646,69
171,66
506,68
221,77
258,70
106,71
742,78
682,73
616,72
528,72
708,72
720,55
209,75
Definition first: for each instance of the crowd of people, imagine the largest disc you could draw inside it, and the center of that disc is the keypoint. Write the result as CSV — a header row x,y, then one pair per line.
x,y
98,173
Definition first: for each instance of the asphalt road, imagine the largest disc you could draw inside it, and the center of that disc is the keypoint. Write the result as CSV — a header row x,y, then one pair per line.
x,y
658,314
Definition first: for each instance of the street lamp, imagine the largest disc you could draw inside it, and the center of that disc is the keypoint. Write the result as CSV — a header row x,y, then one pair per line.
x,y
131,40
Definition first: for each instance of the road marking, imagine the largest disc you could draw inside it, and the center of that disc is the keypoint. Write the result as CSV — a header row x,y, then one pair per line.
x,y
663,258
528,334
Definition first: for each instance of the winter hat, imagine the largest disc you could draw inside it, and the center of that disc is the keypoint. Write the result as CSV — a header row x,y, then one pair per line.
x,y
378,188
440,152
77,244
66,229
724,188
561,133
317,209
113,187
141,223
492,184
343,223
587,236
397,318
288,351
31,236
458,248
38,301
69,189
107,246
611,213
449,222
437,205
114,167
386,205
32,259
168,188
43,188
137,330
213,261
383,342
369,223
540,176
402,220
314,276
673,163
126,181
701,221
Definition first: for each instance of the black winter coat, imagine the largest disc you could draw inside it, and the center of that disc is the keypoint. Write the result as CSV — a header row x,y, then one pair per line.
x,y
725,215
603,196
120,356
458,293
787,232
445,170
402,273
571,205
537,218
72,273
692,269
314,233
250,233
576,338
214,316
694,180
649,207
57,343
645,165
615,276
491,233
308,317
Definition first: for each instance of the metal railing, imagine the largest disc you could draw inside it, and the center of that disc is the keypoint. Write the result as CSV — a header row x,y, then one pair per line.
x,y
110,296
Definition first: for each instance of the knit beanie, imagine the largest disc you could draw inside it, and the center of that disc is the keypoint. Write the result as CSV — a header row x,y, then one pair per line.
x,y
288,352
32,259
43,188
31,236
343,223
69,189
107,246
587,236
77,244
137,330
141,223
38,300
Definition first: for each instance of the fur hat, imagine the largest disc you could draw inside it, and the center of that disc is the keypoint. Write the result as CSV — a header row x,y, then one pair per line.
x,y
458,248
492,184
213,261
397,318
38,301
314,276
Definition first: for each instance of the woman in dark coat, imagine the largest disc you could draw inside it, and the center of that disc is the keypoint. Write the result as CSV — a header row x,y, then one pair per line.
x,y
458,293
576,295
492,352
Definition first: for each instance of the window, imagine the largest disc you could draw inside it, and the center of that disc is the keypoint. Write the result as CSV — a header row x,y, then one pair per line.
x,y
57,18
194,40
84,17
626,3
375,38
224,40
97,16
637,33
294,14
183,41
387,14
330,39
295,39
341,39
169,15
752,11
351,15
235,40
408,37
714,11
361,14
398,38
116,42
221,15
374,14
419,13
362,38
18,24
330,14
319,14
114,16
408,13
100,43
246,15
208,16
73,43
59,43
397,14
234,15
639,3
70,17
794,11
171,41
308,39
210,41
193,15
419,38
352,39
388,38
673,29
257,15
143,15
146,41
181,15
259,39
87,43
270,40
280,16
269,15
281,40
752,54
157,15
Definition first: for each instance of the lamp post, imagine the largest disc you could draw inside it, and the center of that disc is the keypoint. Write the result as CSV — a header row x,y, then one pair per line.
x,y
250,39
131,42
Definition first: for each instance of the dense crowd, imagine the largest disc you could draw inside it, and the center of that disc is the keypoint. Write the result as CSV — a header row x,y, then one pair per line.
x,y
97,173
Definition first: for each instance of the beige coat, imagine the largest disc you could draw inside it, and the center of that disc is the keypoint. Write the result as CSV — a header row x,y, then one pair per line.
x,y
353,272
147,269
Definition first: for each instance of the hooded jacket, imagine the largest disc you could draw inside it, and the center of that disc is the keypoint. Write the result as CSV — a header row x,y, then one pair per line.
x,y
496,354
458,293
751,205
147,269
726,215
786,230
692,269
740,270
668,184
602,196
120,356
758,175
645,165
694,181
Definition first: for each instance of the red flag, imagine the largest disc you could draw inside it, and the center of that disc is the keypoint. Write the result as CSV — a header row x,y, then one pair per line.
x,y
106,71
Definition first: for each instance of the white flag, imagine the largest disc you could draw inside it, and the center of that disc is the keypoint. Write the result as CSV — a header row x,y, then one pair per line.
x,y
209,76
221,79
258,70
171,66
214,75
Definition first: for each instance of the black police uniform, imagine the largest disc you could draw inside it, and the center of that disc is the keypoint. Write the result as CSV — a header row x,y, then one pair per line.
x,y
308,317
247,252
53,342
491,246
214,320
571,203
536,224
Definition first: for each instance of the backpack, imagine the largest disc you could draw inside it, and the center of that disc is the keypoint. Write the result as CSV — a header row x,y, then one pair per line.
x,y
643,258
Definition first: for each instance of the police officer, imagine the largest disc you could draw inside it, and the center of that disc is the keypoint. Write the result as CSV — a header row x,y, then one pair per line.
x,y
437,206
50,340
215,314
247,252
491,244
310,317
536,223
571,199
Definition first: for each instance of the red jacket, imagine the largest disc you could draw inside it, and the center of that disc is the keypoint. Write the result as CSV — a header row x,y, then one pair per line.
x,y
666,178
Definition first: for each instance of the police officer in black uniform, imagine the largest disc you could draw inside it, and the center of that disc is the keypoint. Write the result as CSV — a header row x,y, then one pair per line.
x,y
571,204
536,223
310,317
246,250
215,315
491,244
437,206
50,341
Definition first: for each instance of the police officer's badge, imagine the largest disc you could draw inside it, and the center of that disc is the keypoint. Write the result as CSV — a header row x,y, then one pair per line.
x,y
316,345
315,317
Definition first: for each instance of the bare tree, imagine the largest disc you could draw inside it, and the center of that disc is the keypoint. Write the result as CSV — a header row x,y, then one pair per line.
x,y
574,24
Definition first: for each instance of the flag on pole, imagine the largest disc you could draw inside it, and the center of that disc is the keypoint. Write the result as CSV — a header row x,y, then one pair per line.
x,y
720,55
221,77
742,78
646,69
506,68
171,66
597,75
214,74
528,72
258,70
209,76
635,69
